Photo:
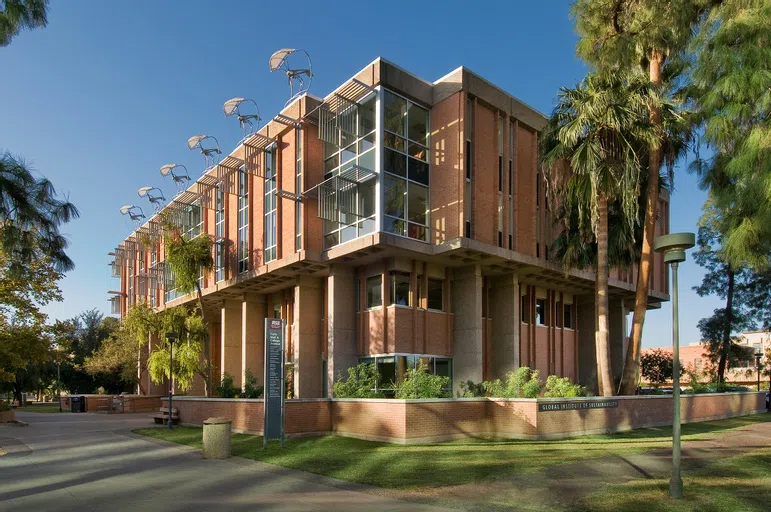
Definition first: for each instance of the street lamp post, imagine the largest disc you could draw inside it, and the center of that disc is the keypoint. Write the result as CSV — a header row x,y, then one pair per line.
x,y
171,337
674,246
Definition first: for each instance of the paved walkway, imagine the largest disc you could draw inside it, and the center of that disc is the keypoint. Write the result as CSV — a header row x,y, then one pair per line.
x,y
94,462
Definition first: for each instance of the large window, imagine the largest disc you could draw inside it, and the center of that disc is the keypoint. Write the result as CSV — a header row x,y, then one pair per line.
x,y
469,165
406,164
354,149
391,368
269,206
540,311
298,187
243,220
374,291
219,234
400,288
436,294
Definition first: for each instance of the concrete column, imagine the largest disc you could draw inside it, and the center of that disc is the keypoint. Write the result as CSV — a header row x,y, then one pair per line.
x,y
467,307
307,338
342,352
253,336
230,352
587,355
616,337
504,310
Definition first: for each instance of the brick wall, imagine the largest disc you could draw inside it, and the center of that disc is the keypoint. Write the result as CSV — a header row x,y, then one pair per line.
x,y
417,421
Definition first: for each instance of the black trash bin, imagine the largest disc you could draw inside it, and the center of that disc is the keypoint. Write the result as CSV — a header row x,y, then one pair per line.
x,y
78,403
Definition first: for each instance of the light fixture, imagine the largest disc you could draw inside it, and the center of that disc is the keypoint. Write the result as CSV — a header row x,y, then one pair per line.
x,y
279,61
134,212
208,148
674,246
180,177
153,194
249,121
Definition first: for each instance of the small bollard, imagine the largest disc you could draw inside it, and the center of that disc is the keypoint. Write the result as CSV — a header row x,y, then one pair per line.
x,y
216,438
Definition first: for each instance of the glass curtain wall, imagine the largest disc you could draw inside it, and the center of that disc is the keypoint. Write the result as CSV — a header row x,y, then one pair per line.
x,y
219,233
270,206
243,220
406,167
354,149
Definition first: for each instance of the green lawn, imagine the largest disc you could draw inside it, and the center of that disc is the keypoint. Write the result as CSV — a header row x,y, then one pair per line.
x,y
461,462
741,483
41,407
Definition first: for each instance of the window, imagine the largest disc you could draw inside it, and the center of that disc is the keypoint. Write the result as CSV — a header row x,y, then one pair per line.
x,y
219,234
374,291
469,165
540,311
405,162
436,294
269,206
400,288
391,368
298,187
568,316
356,292
354,149
525,309
243,220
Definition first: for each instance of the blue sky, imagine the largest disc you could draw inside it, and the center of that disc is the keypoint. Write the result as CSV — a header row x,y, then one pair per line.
x,y
110,91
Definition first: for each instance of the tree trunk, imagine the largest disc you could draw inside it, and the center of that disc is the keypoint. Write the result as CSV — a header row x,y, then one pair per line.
x,y
207,351
729,320
604,372
632,363
597,356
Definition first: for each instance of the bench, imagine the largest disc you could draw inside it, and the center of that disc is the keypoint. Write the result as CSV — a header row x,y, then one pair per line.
x,y
163,415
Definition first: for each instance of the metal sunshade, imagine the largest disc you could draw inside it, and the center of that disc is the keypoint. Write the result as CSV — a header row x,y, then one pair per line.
x,y
279,61
208,150
249,121
180,178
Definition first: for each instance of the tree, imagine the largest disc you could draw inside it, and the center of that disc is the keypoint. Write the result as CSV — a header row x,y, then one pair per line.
x,y
117,355
657,366
190,331
621,36
590,151
727,281
732,95
31,213
189,259
18,15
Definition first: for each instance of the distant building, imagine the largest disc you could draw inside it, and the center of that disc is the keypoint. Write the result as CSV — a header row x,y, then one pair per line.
x,y
694,356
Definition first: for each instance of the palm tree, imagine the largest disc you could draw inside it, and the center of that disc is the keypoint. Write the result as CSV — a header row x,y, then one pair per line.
x,y
31,213
591,152
18,15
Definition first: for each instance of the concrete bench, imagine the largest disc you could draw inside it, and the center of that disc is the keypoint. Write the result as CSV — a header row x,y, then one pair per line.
x,y
163,415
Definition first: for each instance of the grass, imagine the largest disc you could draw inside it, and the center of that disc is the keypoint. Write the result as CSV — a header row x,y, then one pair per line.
x,y
740,483
417,467
41,407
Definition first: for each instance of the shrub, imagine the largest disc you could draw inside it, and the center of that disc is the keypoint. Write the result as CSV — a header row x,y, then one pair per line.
x,y
522,383
418,383
557,387
362,382
226,388
656,366
4,406
251,389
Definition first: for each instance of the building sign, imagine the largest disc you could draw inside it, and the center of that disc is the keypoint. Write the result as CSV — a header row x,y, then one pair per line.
x,y
273,421
577,406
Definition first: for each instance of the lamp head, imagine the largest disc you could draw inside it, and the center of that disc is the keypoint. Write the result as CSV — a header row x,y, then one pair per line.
x,y
674,246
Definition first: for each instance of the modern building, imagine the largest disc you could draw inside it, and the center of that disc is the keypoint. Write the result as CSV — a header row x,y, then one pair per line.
x,y
394,220
695,357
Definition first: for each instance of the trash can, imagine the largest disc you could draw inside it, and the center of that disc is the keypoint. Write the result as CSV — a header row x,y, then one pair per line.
x,y
216,438
78,403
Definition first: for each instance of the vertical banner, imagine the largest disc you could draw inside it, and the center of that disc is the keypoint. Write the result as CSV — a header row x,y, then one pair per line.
x,y
274,392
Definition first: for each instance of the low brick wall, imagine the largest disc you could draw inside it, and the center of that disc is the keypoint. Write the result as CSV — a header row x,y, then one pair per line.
x,y
421,421
7,416
116,403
